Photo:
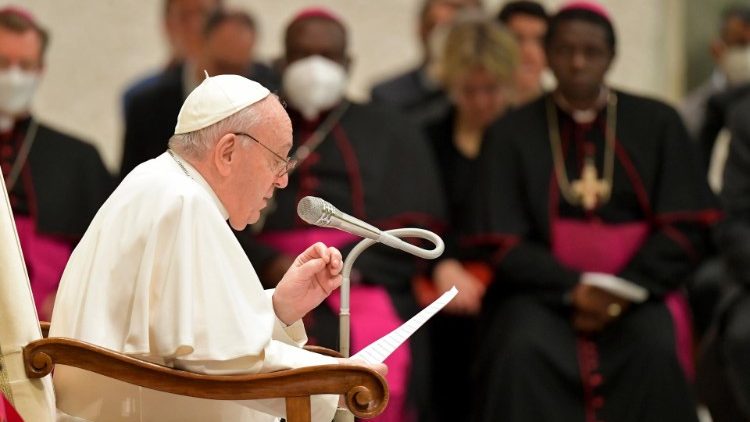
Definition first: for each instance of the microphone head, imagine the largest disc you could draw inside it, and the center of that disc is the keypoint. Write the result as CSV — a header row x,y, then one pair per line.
x,y
315,211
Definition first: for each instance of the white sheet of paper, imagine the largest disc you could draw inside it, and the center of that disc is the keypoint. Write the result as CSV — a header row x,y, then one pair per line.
x,y
617,286
380,349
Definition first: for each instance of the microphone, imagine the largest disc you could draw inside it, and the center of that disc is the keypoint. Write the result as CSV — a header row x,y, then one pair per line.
x,y
319,212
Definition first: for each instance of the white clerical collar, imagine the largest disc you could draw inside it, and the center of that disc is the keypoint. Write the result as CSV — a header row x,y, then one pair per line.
x,y
196,176
582,116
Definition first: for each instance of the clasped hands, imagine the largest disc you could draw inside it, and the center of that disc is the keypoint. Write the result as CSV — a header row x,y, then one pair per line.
x,y
594,308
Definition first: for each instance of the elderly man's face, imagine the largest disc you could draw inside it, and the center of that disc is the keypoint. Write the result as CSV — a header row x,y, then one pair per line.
x,y
257,171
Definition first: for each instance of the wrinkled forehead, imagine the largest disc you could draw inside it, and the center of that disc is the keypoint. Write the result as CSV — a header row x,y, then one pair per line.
x,y
276,126
284,131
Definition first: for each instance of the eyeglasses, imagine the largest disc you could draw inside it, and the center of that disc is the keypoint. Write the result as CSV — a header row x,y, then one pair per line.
x,y
288,163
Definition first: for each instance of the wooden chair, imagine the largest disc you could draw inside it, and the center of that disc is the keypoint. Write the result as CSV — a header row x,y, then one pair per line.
x,y
27,359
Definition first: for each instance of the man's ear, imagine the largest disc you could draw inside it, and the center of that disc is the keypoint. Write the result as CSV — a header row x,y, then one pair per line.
x,y
224,153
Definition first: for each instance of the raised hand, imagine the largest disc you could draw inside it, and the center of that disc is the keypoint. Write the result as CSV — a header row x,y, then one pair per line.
x,y
315,273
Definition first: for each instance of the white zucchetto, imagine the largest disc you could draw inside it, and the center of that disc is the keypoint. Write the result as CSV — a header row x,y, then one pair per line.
x,y
217,98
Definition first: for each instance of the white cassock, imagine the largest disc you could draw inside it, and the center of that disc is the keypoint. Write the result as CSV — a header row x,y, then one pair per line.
x,y
160,276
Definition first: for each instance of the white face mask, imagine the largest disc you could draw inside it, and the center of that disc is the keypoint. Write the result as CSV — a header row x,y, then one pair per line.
x,y
314,84
736,65
17,88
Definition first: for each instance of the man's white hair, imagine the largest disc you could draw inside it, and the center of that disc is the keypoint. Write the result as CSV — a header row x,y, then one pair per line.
x,y
197,143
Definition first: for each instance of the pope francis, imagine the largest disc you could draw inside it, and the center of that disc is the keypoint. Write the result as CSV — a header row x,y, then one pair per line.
x,y
160,276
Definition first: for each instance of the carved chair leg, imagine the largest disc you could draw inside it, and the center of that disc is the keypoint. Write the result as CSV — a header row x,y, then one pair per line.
x,y
298,409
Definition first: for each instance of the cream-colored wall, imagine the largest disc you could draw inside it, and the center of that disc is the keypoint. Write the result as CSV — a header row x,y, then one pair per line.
x,y
100,46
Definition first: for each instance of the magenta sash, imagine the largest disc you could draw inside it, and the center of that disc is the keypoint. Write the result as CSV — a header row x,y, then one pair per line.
x,y
7,412
46,257
596,247
372,313
607,248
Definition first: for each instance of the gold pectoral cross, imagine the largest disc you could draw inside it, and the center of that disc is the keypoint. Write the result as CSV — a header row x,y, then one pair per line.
x,y
589,189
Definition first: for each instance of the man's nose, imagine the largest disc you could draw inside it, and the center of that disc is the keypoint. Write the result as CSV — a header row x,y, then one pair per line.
x,y
578,60
282,181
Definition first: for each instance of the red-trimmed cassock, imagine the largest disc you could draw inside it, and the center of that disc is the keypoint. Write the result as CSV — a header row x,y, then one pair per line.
x,y
60,186
652,232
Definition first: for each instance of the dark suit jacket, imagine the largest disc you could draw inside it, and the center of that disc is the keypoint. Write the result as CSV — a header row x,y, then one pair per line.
x,y
724,368
67,182
150,118
735,194
411,93
718,109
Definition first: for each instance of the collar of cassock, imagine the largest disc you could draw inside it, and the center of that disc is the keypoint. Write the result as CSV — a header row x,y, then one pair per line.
x,y
582,116
196,176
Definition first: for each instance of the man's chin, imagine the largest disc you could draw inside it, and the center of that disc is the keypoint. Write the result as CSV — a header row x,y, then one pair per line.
x,y
254,218
241,224
239,227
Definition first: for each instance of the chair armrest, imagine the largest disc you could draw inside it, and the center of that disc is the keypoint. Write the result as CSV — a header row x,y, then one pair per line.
x,y
366,392
323,351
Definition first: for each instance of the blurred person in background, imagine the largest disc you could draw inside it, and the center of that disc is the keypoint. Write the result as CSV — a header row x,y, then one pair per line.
x,y
729,83
594,212
706,113
230,37
371,163
478,69
418,91
183,22
723,379
729,51
527,21
227,45
56,182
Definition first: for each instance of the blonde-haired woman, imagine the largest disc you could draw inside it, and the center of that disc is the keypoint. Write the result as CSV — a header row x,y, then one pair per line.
x,y
478,64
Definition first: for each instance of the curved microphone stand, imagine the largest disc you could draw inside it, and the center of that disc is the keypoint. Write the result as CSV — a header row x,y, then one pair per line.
x,y
344,331
343,415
